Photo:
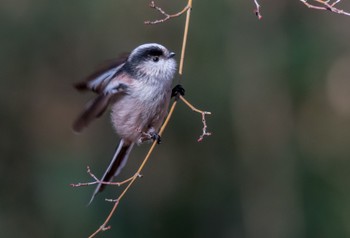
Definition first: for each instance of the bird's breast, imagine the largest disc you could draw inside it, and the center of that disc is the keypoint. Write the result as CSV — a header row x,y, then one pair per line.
x,y
139,110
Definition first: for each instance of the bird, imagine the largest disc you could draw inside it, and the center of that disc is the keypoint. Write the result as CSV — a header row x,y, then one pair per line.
x,y
137,88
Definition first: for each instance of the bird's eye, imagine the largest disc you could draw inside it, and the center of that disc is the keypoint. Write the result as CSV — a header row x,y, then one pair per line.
x,y
155,59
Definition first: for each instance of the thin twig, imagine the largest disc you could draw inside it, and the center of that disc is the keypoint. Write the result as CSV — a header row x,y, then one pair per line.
x,y
257,9
97,181
184,41
204,130
166,15
333,4
203,113
325,6
186,9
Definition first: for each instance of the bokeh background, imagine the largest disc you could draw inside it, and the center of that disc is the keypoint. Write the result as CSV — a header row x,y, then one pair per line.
x,y
277,164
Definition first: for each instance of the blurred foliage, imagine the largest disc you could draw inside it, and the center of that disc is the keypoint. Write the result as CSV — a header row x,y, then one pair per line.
x,y
277,164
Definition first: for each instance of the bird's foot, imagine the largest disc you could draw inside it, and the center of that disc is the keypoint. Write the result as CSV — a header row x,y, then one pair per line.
x,y
178,90
155,137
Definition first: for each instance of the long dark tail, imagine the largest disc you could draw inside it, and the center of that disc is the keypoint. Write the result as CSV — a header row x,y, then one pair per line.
x,y
118,161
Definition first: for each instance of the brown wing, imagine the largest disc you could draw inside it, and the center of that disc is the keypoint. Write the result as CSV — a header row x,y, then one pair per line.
x,y
98,80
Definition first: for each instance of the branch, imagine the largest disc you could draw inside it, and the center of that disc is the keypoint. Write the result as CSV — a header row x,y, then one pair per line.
x,y
203,113
326,5
97,181
323,5
257,9
166,15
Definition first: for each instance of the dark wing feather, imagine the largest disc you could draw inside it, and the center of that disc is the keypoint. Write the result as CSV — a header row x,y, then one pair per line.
x,y
107,82
100,78
94,109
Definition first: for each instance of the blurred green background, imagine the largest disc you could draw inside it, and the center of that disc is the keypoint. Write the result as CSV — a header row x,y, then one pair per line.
x,y
277,164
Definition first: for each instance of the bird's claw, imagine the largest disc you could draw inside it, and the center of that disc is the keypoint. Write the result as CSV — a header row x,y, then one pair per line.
x,y
156,137
178,90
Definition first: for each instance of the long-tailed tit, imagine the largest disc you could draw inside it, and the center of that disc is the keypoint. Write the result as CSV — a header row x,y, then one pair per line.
x,y
138,89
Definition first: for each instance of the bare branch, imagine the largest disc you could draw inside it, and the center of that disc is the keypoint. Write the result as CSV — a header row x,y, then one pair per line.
x,y
257,9
323,5
326,5
166,15
97,181
333,4
204,130
106,228
203,113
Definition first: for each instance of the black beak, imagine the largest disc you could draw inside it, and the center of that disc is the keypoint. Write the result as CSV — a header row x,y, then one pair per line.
x,y
171,55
